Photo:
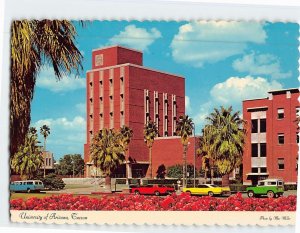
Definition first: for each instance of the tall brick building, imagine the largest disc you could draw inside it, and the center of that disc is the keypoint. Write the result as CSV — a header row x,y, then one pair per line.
x,y
121,91
271,149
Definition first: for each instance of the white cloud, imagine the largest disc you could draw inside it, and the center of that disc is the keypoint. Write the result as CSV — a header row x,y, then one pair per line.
x,y
64,133
232,92
235,89
47,80
202,42
260,64
137,38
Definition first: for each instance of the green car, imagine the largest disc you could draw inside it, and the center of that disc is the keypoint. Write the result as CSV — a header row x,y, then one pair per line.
x,y
270,187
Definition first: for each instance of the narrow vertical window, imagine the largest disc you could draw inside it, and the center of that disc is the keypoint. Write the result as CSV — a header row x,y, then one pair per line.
x,y
280,162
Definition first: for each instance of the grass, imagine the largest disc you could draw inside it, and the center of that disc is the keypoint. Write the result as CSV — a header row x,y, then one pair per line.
x,y
77,186
26,196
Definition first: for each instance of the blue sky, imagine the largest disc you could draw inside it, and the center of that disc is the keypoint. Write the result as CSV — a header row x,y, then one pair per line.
x,y
223,63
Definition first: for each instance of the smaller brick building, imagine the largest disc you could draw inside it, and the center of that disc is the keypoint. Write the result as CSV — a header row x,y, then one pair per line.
x,y
271,149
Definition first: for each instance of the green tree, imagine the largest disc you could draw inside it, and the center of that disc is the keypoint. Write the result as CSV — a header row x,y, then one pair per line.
x,y
34,43
150,133
28,159
51,181
126,136
175,171
107,153
205,151
184,129
228,138
45,131
70,164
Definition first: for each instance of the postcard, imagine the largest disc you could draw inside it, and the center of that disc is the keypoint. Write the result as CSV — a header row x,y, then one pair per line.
x,y
156,122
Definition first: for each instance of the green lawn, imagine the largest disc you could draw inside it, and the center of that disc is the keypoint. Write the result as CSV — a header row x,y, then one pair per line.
x,y
25,196
77,186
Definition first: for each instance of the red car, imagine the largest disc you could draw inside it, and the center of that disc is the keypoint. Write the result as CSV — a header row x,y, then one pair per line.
x,y
152,190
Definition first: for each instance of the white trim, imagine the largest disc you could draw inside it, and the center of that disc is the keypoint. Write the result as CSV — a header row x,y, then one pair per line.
x,y
257,174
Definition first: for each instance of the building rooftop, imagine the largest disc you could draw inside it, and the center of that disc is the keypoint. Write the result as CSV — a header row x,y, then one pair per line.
x,y
284,90
113,46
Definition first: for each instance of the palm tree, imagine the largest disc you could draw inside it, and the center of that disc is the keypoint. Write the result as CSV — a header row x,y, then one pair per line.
x,y
184,129
126,134
45,131
150,133
28,159
107,153
228,138
34,43
205,150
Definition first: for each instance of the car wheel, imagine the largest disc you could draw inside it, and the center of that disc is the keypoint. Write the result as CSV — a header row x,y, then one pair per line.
x,y
270,194
137,192
28,190
156,193
211,194
250,194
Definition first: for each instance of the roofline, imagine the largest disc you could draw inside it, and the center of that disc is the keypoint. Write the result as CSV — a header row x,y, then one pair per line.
x,y
112,46
134,65
280,90
255,99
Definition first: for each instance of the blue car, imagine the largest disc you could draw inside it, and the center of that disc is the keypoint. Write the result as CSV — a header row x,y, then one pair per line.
x,y
26,186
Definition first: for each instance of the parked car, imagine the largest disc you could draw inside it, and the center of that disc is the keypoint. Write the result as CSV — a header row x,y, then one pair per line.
x,y
26,186
156,190
208,189
270,187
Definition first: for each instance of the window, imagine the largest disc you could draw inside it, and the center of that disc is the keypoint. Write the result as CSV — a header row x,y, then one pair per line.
x,y
280,139
254,170
254,124
263,169
263,150
297,140
281,163
280,113
30,183
263,125
254,150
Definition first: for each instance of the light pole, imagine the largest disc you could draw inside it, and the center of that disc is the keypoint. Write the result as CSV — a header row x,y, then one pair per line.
x,y
194,128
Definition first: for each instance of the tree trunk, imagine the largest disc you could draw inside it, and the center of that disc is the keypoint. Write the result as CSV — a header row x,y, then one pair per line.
x,y
44,157
107,188
212,175
149,171
205,175
184,166
225,180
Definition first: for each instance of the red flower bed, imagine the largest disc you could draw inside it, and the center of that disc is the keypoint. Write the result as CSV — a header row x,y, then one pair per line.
x,y
182,202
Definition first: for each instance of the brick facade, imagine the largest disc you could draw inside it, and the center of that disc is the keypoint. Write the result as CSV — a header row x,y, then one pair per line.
x,y
121,91
271,148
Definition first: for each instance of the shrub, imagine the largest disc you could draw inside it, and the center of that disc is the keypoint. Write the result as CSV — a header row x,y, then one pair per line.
x,y
176,171
290,187
182,202
52,181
